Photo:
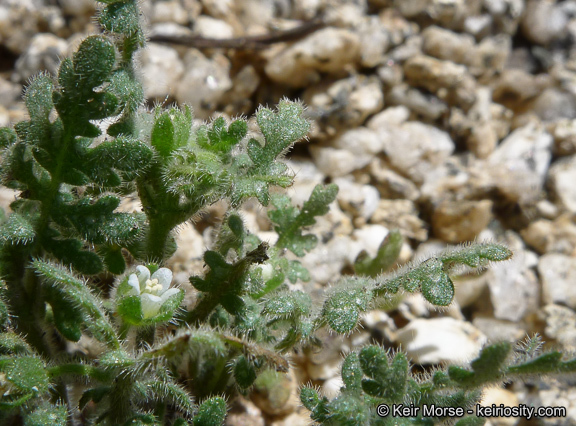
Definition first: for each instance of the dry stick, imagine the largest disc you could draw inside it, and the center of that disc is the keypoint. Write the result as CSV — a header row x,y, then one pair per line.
x,y
243,43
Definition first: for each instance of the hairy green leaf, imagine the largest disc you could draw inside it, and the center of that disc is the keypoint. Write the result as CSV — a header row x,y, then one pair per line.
x,y
122,17
312,401
47,414
17,230
211,412
387,254
8,137
260,169
352,373
38,98
27,373
289,220
244,372
65,290
220,138
288,305
342,308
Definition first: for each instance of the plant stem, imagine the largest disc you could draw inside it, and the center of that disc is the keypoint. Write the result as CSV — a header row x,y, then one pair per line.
x,y
55,181
145,337
203,309
23,294
120,397
157,239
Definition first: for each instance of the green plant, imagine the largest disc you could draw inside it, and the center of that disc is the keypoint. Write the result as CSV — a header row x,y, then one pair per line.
x,y
375,378
64,236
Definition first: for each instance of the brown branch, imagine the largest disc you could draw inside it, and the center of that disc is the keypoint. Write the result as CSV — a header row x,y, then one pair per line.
x,y
243,43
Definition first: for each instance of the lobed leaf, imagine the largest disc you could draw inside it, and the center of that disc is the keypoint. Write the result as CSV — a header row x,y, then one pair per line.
x,y
113,258
123,154
488,367
225,282
312,401
281,129
171,131
385,258
429,277
352,373
295,271
12,343
17,230
170,393
70,252
212,412
220,138
342,308
348,410
129,92
96,222
244,372
65,291
122,17
8,137
38,99
27,373
288,305
93,62
79,80
547,363
260,169
47,414
289,220
476,255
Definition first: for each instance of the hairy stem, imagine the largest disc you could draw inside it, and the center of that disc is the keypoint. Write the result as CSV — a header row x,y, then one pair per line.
x,y
202,309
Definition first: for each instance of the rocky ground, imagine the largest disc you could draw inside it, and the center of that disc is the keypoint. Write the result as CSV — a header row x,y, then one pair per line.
x,y
450,120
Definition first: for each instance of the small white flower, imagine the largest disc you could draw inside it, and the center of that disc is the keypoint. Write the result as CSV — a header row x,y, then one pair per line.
x,y
153,290
267,271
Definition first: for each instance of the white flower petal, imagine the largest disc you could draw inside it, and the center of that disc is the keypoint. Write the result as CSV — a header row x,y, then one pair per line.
x,y
164,277
267,271
168,293
143,275
150,305
134,285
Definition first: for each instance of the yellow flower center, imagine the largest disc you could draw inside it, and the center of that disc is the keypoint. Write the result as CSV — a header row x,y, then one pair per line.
x,y
152,286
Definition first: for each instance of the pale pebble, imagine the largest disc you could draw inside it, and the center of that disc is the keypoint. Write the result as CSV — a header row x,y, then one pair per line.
x,y
437,340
